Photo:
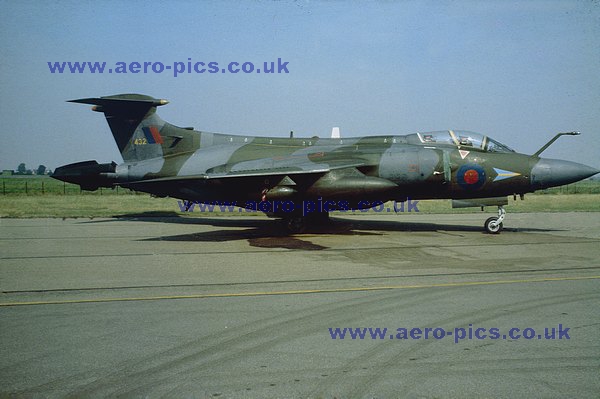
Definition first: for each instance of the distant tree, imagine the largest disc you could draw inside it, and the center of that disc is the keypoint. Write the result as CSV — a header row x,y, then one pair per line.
x,y
41,170
29,172
22,169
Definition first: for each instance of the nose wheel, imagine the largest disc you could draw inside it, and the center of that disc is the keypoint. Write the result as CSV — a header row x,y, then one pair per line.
x,y
494,224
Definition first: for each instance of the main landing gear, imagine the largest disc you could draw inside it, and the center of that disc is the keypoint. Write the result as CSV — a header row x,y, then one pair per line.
x,y
494,224
297,223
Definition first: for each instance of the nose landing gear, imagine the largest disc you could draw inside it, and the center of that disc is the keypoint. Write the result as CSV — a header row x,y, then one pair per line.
x,y
494,224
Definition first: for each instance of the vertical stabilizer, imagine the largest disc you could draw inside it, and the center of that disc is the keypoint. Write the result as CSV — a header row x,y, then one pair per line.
x,y
138,131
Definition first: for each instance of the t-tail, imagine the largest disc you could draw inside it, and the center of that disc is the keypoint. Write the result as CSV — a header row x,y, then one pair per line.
x,y
136,127
140,135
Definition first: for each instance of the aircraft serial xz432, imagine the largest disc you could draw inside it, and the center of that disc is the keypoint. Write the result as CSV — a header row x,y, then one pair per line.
x,y
335,173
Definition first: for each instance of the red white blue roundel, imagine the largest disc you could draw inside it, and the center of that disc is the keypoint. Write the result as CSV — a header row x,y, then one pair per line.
x,y
470,176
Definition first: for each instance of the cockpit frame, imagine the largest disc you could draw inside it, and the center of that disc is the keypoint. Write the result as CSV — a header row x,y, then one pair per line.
x,y
463,139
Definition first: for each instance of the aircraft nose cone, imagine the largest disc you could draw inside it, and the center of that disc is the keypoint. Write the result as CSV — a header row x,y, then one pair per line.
x,y
555,172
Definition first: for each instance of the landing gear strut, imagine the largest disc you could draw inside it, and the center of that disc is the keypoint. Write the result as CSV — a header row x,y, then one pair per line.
x,y
295,224
494,224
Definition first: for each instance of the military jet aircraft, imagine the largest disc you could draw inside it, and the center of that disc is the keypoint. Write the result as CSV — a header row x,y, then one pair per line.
x,y
283,175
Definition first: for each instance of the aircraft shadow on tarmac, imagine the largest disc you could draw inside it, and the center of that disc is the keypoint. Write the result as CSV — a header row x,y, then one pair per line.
x,y
269,233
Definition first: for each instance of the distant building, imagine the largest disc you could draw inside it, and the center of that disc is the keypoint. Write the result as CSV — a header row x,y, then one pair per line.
x,y
8,172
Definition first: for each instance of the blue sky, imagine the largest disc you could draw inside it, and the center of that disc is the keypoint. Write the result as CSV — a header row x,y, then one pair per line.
x,y
517,71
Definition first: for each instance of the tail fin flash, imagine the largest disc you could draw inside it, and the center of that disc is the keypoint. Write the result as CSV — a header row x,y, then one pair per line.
x,y
138,131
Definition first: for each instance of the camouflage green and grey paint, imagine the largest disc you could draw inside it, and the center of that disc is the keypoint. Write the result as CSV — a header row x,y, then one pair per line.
x,y
166,160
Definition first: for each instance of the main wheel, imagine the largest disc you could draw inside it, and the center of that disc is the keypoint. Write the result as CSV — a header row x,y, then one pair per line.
x,y
318,218
492,227
296,224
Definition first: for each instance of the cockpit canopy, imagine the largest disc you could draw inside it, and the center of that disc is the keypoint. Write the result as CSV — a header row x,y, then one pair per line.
x,y
462,138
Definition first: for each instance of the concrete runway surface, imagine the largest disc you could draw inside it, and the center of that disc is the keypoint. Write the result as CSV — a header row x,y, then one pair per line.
x,y
228,307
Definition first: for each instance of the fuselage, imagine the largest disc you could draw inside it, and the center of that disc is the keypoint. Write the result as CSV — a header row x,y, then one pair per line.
x,y
394,168
345,173
166,160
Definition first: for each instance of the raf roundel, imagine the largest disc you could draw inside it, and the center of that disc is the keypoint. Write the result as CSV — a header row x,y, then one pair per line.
x,y
470,176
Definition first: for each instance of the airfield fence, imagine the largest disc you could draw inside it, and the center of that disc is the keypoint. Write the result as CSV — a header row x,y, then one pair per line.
x,y
38,185
582,187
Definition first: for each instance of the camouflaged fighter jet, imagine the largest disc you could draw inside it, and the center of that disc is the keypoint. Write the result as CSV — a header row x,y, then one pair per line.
x,y
334,173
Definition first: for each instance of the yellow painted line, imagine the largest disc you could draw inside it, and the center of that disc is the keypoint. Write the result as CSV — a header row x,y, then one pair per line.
x,y
297,292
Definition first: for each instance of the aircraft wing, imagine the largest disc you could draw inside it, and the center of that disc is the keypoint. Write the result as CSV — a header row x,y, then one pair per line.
x,y
317,174
240,174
